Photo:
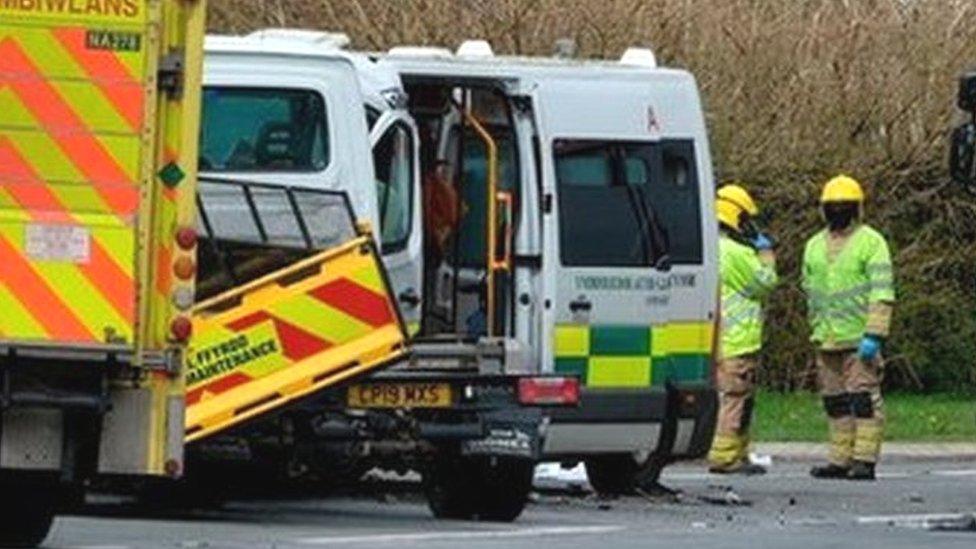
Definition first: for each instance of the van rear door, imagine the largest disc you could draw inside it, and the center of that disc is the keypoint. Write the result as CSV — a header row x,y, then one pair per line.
x,y
614,180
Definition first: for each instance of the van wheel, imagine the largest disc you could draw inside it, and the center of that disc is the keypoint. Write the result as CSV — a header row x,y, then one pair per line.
x,y
26,522
622,475
489,489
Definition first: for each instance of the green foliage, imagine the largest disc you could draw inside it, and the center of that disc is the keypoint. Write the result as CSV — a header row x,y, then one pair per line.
x,y
798,416
795,92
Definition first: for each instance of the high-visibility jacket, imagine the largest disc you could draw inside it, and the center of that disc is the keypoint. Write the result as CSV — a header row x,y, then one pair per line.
x,y
848,280
746,279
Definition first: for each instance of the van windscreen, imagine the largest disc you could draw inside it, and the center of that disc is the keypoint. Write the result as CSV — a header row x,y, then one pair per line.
x,y
612,192
263,130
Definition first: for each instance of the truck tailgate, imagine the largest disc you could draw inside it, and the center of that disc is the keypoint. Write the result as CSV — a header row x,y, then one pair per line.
x,y
76,147
287,335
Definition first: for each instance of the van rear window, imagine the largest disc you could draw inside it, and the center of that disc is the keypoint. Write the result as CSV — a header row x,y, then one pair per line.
x,y
263,129
610,192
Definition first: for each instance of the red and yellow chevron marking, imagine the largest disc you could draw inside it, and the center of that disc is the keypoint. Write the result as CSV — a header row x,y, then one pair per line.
x,y
72,119
282,342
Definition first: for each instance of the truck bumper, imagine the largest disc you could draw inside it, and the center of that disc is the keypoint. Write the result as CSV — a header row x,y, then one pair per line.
x,y
678,421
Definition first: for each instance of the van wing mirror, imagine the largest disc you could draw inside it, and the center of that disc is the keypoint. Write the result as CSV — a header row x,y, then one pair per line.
x,y
962,154
966,98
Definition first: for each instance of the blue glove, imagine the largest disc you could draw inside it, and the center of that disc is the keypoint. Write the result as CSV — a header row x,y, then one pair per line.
x,y
762,242
869,348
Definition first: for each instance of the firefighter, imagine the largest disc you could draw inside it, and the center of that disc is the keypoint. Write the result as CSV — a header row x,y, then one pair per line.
x,y
748,272
847,277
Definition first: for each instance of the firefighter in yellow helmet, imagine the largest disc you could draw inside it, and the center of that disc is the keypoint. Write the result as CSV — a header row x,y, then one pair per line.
x,y
747,266
848,280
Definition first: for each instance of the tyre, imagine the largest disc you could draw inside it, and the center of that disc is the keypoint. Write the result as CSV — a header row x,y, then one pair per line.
x,y
25,523
622,475
450,488
505,487
466,488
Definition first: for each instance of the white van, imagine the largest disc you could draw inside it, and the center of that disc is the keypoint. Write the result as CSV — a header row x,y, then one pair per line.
x,y
604,198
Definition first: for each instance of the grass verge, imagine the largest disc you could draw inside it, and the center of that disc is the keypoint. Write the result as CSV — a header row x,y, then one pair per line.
x,y
942,417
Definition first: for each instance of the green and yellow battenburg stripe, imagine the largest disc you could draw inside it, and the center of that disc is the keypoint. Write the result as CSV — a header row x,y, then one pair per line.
x,y
628,356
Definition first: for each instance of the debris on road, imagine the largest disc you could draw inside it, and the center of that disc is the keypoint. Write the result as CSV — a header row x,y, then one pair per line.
x,y
725,496
555,477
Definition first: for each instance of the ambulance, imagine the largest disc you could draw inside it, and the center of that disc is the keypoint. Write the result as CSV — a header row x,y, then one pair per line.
x,y
585,241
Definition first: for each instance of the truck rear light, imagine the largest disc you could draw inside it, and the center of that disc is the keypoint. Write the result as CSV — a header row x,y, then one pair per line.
x,y
173,468
549,391
186,238
184,268
181,328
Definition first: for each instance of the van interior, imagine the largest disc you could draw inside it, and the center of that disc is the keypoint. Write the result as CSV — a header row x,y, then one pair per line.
x,y
469,156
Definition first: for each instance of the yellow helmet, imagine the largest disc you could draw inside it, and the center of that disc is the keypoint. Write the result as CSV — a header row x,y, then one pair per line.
x,y
732,200
842,188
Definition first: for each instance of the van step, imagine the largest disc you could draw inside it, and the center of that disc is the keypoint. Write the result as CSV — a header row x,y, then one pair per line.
x,y
483,356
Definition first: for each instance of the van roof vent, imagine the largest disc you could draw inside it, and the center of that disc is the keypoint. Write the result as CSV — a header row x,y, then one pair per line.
x,y
337,40
639,57
475,48
419,51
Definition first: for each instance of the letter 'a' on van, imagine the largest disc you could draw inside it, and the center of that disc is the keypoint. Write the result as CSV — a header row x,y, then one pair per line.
x,y
607,175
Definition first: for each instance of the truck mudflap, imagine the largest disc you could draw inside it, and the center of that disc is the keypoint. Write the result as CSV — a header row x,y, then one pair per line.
x,y
291,333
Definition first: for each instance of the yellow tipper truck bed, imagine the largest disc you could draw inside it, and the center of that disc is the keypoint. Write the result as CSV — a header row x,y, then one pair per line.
x,y
299,301
299,330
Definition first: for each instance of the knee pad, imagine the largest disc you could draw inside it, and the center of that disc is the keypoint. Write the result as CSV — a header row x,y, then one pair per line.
x,y
837,406
862,406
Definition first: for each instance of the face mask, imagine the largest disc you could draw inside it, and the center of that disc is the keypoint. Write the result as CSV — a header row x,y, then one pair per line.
x,y
747,227
839,216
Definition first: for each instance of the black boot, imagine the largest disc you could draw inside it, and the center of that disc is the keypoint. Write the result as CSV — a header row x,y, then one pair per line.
x,y
829,471
861,470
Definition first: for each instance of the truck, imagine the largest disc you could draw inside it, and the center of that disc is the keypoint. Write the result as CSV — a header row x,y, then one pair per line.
x,y
146,309
98,149
292,113
526,297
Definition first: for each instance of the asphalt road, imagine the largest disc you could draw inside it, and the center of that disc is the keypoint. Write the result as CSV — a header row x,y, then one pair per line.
x,y
928,504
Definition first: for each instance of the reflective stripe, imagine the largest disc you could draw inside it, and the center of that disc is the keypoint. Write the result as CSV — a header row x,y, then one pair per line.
x,y
762,281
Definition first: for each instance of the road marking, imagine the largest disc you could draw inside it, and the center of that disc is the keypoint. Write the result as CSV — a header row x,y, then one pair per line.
x,y
803,474
956,473
97,547
461,535
929,521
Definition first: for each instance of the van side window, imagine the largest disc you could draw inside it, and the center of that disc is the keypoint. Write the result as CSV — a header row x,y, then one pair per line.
x,y
601,217
676,195
263,129
610,192
393,163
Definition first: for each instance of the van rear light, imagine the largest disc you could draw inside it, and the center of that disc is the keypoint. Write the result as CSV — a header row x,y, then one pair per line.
x,y
549,391
181,328
186,238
